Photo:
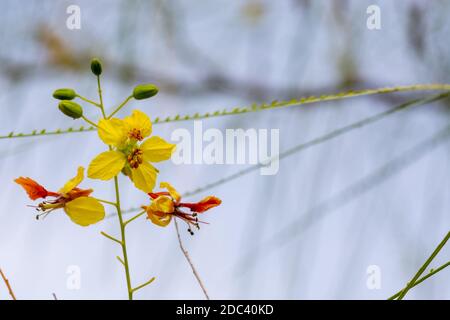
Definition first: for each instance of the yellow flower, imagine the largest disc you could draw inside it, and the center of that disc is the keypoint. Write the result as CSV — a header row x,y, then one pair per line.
x,y
81,209
128,154
168,203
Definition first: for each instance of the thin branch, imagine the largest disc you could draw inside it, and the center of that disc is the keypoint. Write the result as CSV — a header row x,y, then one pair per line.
x,y
186,254
54,296
89,121
298,227
11,292
143,285
258,107
134,218
430,274
89,101
111,237
424,266
120,260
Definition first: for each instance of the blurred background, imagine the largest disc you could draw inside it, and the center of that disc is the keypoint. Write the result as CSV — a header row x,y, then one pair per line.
x,y
377,196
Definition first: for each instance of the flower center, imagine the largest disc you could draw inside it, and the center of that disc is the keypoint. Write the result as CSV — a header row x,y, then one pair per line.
x,y
135,134
135,158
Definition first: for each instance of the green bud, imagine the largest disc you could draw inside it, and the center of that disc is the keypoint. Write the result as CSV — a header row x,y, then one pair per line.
x,y
71,109
96,67
64,94
144,91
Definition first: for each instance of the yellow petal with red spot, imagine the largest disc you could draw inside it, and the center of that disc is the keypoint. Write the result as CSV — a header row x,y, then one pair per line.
x,y
144,177
163,204
85,211
106,165
139,121
74,182
156,149
161,221
172,191
112,131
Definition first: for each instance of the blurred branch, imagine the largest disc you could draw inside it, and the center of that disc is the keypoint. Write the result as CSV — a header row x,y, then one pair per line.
x,y
11,292
186,254
256,107
300,225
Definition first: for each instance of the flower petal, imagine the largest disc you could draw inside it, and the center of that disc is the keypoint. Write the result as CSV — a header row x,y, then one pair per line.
x,y
144,177
85,211
139,121
163,204
106,165
74,182
159,220
112,131
206,204
156,149
34,189
172,191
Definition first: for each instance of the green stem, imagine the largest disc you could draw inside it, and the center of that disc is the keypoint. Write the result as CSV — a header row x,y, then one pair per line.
x,y
430,274
119,211
101,97
135,217
120,260
107,202
89,101
120,107
110,237
424,266
144,284
123,244
89,121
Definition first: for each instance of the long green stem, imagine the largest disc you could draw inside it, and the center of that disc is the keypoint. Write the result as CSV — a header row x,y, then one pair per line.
x,y
424,266
123,244
430,274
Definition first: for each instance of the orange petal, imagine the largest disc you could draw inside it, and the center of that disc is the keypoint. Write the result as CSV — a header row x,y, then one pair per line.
x,y
155,195
206,204
34,189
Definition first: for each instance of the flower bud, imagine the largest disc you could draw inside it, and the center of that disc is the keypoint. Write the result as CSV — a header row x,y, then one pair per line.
x,y
96,67
64,94
71,109
144,91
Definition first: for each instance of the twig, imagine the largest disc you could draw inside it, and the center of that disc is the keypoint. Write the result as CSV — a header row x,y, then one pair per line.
x,y
186,254
54,296
11,292
111,237
424,266
430,274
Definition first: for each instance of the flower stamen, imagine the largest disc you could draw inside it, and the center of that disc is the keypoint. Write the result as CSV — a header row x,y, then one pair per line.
x,y
135,158
135,134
